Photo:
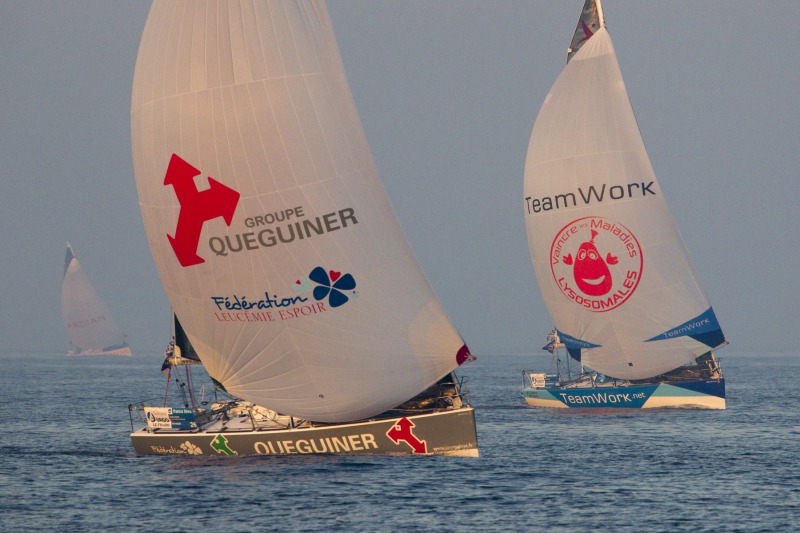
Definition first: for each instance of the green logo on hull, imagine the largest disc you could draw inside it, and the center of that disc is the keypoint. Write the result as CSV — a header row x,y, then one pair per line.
x,y
220,443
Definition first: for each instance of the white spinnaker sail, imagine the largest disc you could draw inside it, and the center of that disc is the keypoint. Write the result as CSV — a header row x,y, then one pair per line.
x,y
292,277
611,265
89,323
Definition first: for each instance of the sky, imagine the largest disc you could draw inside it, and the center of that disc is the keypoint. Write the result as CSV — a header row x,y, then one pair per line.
x,y
447,91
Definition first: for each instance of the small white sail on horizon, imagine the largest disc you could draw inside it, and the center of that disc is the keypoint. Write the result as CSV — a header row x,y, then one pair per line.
x,y
90,327
611,265
271,230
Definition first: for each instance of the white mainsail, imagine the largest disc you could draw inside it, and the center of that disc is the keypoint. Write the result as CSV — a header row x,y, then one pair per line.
x,y
271,230
611,265
91,328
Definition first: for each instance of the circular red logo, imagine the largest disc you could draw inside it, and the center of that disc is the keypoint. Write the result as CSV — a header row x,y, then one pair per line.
x,y
596,263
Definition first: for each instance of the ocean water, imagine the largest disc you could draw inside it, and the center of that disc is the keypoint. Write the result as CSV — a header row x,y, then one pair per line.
x,y
66,462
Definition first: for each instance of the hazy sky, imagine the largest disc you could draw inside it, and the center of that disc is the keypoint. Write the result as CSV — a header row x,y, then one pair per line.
x,y
447,91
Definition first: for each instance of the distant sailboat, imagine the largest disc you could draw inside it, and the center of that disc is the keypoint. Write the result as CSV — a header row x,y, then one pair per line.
x,y
278,248
610,262
91,328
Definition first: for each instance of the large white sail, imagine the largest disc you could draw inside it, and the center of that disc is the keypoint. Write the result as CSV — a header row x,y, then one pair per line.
x,y
271,230
611,265
90,326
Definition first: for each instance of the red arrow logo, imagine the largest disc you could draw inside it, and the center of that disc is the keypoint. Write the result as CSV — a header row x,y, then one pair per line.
x,y
401,430
196,208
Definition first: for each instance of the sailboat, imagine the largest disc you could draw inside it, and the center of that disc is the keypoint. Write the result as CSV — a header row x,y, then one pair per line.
x,y
611,265
278,248
91,328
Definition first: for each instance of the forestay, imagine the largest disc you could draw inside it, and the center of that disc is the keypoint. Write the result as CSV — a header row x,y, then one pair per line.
x,y
268,222
611,265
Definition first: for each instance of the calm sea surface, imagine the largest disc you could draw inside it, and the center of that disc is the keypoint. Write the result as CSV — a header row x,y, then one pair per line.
x,y
66,462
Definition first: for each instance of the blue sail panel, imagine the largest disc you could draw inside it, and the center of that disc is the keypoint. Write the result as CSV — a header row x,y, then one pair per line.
x,y
703,328
68,259
574,345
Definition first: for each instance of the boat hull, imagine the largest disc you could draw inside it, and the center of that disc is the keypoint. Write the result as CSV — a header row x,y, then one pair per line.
x,y
125,350
450,432
701,394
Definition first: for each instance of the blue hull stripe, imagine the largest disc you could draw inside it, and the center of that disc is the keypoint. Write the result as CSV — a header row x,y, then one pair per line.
x,y
712,388
631,397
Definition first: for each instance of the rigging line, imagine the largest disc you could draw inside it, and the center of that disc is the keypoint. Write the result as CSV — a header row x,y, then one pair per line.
x,y
189,385
166,391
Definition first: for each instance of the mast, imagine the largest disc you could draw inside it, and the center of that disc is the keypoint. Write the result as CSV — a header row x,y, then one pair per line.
x,y
590,21
600,14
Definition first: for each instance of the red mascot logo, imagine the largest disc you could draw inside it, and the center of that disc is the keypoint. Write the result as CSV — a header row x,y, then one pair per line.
x,y
591,271
596,280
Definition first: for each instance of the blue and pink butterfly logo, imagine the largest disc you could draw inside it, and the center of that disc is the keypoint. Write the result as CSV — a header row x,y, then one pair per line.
x,y
330,284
